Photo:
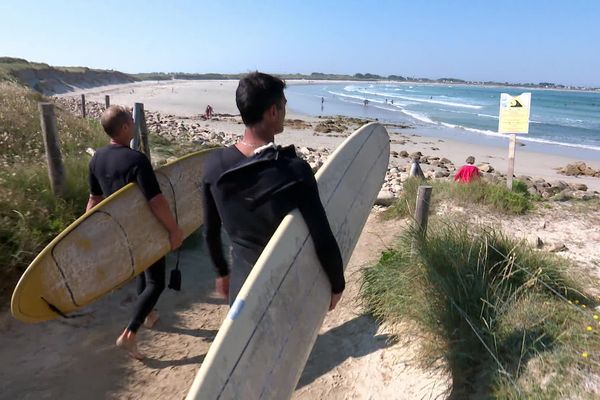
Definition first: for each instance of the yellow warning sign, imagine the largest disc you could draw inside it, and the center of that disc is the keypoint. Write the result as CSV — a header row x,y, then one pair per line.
x,y
514,113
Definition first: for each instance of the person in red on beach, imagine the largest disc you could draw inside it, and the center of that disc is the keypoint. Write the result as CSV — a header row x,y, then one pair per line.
x,y
467,173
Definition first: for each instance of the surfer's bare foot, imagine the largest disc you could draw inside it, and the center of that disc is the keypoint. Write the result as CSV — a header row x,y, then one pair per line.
x,y
151,319
127,342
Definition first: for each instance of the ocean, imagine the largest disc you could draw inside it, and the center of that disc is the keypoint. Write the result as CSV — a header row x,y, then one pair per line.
x,y
561,122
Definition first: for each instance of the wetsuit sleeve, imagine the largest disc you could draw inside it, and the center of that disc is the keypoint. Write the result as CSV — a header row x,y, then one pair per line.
x,y
212,231
95,188
326,246
146,179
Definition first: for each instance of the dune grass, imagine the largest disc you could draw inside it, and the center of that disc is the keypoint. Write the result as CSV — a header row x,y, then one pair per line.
x,y
507,320
494,196
30,216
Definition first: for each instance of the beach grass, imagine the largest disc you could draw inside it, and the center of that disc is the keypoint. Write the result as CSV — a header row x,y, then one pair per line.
x,y
492,195
30,216
508,321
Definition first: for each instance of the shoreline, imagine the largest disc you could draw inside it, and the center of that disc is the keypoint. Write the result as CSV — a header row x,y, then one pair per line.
x,y
183,99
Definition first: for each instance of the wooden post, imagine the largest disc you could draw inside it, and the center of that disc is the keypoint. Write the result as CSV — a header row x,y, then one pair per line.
x,y
422,209
138,111
145,145
511,160
83,105
56,170
107,101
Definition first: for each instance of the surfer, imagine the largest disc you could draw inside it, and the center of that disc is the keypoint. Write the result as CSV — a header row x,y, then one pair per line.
x,y
251,186
111,168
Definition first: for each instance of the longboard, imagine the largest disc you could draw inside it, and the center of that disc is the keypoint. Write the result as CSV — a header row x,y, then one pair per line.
x,y
108,245
265,340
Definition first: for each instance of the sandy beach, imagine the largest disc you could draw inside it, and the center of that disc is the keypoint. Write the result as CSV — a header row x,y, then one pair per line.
x,y
190,98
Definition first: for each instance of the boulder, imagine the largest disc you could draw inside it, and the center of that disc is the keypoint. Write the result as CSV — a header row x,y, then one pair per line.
x,y
485,168
385,198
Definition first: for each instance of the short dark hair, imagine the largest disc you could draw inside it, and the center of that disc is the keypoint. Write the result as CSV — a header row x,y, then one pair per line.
x,y
470,160
113,118
255,93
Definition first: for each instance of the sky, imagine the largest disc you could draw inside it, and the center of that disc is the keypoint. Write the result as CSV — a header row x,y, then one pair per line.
x,y
514,41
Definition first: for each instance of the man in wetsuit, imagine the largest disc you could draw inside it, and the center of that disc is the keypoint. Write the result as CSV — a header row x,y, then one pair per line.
x,y
111,168
251,186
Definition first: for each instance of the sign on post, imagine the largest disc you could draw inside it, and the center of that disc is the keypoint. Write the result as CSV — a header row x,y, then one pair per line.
x,y
513,120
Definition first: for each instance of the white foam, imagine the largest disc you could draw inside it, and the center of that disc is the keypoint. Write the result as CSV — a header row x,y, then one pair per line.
x,y
418,116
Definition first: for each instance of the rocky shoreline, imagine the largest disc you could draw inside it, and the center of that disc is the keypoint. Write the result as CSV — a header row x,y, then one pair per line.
x,y
199,131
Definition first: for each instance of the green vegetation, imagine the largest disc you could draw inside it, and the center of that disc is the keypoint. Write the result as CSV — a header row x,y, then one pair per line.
x,y
30,216
507,320
495,196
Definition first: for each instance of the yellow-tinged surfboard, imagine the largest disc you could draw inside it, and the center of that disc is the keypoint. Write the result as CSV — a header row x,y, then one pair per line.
x,y
108,245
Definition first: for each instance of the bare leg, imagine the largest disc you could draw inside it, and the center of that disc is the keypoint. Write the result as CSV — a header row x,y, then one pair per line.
x,y
151,319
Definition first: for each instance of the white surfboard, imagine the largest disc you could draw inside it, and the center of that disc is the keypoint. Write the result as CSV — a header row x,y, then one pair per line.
x,y
265,340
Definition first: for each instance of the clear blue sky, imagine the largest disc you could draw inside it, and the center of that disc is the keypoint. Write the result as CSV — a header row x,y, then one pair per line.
x,y
516,41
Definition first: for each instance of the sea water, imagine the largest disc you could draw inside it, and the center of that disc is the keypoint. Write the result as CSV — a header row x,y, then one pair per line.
x,y
561,122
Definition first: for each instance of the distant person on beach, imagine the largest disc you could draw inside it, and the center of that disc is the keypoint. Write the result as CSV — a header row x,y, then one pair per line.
x,y
366,102
415,169
111,168
249,187
322,103
208,113
468,172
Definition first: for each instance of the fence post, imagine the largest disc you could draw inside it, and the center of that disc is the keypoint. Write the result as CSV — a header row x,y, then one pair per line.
x,y
138,111
56,170
107,101
83,105
422,209
144,136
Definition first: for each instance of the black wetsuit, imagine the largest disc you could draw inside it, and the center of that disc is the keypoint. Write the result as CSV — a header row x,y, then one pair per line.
x,y
250,197
111,168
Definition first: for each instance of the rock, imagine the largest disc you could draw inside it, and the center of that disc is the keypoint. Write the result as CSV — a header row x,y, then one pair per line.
x,y
563,195
304,150
561,185
579,168
485,168
557,248
394,170
394,154
532,191
579,186
403,153
535,241
444,160
416,155
582,195
385,198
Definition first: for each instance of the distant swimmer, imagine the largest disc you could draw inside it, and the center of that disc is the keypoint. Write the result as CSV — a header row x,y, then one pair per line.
x,y
366,102
392,101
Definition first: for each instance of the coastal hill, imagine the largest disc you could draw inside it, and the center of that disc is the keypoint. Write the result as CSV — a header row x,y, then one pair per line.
x,y
49,80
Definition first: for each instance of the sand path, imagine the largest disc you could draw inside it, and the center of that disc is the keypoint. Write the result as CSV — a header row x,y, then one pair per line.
x,y
74,359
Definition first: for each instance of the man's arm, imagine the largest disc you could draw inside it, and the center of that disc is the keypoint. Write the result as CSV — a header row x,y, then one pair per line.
x,y
146,180
326,246
160,208
212,235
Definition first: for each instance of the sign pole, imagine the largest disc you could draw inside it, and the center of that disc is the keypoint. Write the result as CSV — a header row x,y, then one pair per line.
x,y
513,119
511,160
